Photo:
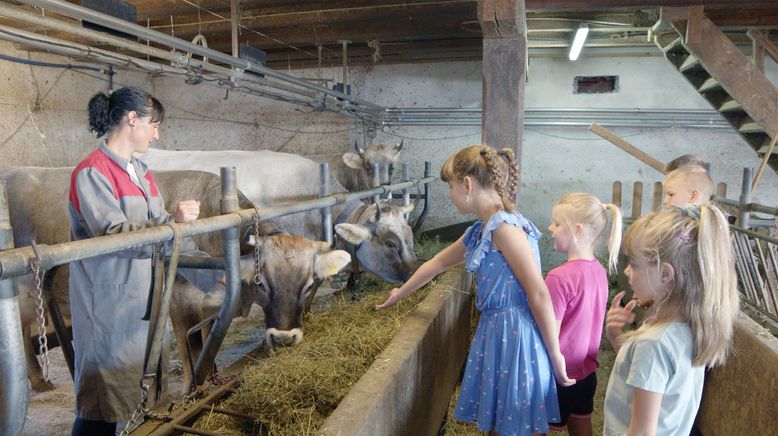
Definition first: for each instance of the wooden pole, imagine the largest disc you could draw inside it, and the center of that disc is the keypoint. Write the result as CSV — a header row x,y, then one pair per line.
x,y
762,164
504,28
626,146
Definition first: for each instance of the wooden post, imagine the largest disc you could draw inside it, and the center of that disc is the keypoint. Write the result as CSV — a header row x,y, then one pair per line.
x,y
504,25
234,24
626,146
656,201
637,200
762,164
617,193
721,190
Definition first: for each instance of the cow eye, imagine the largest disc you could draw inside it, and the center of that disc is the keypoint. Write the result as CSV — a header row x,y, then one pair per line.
x,y
391,244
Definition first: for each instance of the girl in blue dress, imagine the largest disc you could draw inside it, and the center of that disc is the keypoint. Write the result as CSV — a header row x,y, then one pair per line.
x,y
508,387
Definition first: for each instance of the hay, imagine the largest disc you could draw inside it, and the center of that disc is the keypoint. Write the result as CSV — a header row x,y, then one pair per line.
x,y
293,390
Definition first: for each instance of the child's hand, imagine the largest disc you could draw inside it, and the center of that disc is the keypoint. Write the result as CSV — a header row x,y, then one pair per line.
x,y
560,370
393,298
617,317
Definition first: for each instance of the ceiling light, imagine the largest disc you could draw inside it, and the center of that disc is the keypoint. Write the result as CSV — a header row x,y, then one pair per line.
x,y
578,41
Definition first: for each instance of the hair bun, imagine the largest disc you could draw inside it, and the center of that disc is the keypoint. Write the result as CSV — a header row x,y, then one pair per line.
x,y
99,114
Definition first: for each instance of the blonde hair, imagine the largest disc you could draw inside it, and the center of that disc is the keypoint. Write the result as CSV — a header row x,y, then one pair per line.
x,y
694,178
696,242
583,208
686,159
497,169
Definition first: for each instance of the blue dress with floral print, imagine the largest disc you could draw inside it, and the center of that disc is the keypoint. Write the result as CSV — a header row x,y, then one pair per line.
x,y
508,383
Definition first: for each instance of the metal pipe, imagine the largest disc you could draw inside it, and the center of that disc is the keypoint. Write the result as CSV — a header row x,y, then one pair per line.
x,y
326,212
376,182
231,235
750,207
92,16
16,262
426,209
406,191
13,366
745,197
175,58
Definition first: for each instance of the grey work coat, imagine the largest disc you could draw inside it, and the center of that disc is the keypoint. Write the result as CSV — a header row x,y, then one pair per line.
x,y
108,293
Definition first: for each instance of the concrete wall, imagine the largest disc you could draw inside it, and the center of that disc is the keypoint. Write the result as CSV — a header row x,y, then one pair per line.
x,y
43,122
43,117
558,160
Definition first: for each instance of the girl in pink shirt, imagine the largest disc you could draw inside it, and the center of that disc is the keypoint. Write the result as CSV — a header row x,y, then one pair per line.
x,y
579,293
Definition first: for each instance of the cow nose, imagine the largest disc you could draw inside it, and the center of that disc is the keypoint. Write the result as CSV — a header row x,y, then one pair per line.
x,y
278,340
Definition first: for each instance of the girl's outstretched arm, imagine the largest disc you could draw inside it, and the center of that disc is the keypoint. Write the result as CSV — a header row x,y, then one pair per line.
x,y
445,259
514,245
645,412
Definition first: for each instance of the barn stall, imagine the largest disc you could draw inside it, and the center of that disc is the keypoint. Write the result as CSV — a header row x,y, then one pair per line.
x,y
434,96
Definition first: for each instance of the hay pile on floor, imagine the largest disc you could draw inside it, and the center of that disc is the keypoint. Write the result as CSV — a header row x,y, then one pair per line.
x,y
293,390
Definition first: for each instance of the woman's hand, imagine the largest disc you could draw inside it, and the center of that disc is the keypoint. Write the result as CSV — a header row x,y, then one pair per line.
x,y
394,298
617,317
187,210
560,370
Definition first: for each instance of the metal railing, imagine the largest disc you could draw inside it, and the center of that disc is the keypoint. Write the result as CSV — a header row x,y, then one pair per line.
x,y
16,262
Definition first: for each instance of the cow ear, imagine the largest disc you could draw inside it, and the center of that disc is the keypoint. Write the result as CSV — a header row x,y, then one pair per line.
x,y
353,160
329,263
353,233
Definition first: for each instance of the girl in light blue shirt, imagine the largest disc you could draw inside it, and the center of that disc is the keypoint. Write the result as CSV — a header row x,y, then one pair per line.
x,y
681,267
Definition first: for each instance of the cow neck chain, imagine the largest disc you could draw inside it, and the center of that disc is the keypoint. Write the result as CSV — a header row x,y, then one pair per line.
x,y
257,276
43,344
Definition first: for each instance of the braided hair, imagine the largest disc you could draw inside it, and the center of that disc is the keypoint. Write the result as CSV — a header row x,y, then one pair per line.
x,y
492,168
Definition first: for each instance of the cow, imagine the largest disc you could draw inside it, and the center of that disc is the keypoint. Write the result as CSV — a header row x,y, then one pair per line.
x,y
291,268
379,237
355,170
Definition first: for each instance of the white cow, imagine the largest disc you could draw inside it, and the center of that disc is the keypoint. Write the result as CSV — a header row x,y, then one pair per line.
x,y
379,238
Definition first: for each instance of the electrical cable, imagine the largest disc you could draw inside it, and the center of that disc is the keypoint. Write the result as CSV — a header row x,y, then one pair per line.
x,y
49,64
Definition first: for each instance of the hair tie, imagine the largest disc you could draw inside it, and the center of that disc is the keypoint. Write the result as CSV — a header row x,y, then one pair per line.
x,y
691,211
684,237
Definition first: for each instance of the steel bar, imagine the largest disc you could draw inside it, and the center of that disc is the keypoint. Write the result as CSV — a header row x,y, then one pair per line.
x,y
767,285
750,207
745,197
748,266
406,191
110,22
228,308
64,334
740,263
13,366
425,210
376,183
176,58
16,262
179,418
326,212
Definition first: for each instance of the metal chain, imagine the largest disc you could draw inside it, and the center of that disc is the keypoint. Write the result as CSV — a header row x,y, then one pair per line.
x,y
140,412
257,276
43,344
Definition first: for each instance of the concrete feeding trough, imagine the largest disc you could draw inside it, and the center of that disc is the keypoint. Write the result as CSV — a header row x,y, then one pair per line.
x,y
408,388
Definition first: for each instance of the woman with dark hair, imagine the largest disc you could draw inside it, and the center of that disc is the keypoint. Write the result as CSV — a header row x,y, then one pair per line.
x,y
113,192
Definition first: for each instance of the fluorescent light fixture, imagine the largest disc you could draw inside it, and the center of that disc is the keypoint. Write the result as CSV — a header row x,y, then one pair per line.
x,y
578,41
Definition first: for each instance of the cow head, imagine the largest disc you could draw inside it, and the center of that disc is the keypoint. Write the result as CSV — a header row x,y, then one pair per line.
x,y
291,268
363,160
383,241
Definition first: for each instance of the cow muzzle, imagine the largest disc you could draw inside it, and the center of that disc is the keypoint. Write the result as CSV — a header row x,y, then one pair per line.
x,y
283,338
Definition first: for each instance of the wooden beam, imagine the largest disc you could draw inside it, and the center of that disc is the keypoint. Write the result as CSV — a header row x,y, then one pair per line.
x,y
693,28
763,164
503,71
629,148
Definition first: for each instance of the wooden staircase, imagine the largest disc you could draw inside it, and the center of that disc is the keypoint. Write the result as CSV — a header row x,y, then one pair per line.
x,y
721,73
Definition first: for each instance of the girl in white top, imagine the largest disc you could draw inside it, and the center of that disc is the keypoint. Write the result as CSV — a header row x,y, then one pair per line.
x,y
680,264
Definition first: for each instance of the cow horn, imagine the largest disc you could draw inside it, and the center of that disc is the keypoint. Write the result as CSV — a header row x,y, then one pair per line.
x,y
359,150
377,212
399,146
